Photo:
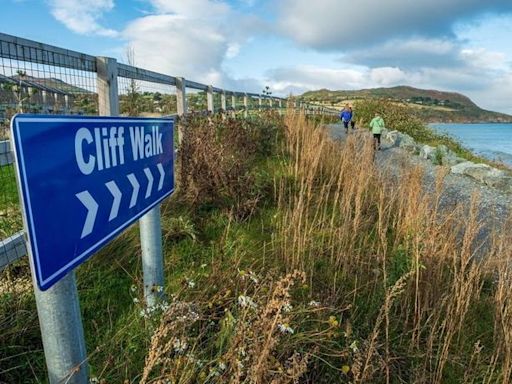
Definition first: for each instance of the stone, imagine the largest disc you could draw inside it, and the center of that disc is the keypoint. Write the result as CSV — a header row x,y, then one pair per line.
x,y
503,183
460,168
451,160
406,142
390,137
427,152
480,172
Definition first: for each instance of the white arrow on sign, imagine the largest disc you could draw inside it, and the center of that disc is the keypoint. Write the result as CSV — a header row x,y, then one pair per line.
x,y
162,176
92,209
116,193
136,186
150,182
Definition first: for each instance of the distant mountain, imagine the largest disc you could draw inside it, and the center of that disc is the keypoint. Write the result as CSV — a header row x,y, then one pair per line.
x,y
428,105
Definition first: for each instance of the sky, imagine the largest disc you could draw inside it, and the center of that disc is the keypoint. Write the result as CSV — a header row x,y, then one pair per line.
x,y
291,45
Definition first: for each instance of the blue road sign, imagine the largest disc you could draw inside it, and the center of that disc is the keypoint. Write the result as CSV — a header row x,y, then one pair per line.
x,y
85,179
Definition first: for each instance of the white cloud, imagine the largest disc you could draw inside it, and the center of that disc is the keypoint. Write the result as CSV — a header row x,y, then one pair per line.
x,y
233,50
81,16
191,48
484,59
341,24
298,79
196,9
189,38
408,53
385,76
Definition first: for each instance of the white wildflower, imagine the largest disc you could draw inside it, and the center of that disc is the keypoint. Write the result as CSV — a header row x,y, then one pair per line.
x,y
253,277
287,308
353,346
194,316
93,380
285,328
314,303
246,301
203,266
191,283
133,288
222,366
179,346
135,300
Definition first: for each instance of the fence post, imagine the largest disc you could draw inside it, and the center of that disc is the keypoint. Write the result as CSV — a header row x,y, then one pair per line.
x,y
223,103
209,99
181,103
259,102
108,97
270,102
246,106
233,104
62,332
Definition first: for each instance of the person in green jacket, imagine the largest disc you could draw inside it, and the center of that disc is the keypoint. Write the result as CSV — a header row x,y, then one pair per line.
x,y
377,125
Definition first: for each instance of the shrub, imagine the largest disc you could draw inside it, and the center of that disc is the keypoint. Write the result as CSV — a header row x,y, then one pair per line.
x,y
217,161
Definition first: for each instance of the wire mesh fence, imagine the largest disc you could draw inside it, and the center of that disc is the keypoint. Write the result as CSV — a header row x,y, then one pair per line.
x,y
197,101
41,79
37,80
217,101
145,98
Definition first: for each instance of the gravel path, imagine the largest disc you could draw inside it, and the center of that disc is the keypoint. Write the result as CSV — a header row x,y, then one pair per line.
x,y
494,205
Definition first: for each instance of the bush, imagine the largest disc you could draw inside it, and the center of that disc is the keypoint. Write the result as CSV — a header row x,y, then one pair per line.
x,y
217,159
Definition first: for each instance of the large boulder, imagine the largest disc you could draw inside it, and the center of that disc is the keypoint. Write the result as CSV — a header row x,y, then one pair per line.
x,y
427,152
480,172
406,142
390,137
484,172
503,183
451,159
445,156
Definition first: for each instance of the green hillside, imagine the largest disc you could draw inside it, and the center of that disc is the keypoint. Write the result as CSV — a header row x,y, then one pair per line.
x,y
429,105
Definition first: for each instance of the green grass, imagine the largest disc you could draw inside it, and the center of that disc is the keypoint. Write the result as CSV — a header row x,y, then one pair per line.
x,y
10,215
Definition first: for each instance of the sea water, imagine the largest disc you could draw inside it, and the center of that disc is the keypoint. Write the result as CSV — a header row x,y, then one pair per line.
x,y
492,141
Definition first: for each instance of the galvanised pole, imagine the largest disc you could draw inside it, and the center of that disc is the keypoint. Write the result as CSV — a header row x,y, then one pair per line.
x,y
62,332
152,257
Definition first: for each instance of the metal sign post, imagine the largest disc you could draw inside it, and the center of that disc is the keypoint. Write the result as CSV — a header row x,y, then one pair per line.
x,y
62,332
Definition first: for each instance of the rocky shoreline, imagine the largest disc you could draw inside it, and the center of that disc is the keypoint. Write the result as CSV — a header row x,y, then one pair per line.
x,y
441,156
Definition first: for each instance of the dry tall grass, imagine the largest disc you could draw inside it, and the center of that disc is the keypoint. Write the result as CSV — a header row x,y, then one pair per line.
x,y
413,293
387,248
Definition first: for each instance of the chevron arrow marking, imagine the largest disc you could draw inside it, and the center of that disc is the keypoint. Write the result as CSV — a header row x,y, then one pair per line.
x,y
162,176
116,193
150,182
136,186
92,209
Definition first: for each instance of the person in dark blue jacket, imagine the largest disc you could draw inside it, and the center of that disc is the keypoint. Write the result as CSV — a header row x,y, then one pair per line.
x,y
346,117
